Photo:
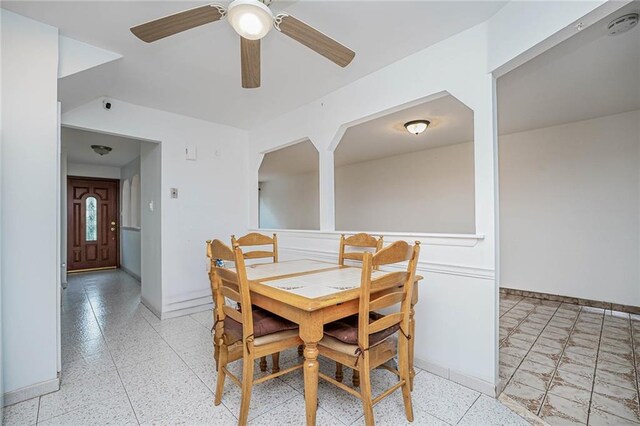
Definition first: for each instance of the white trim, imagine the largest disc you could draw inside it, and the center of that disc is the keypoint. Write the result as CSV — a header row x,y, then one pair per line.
x,y
432,267
31,391
467,240
455,376
149,306
128,272
187,307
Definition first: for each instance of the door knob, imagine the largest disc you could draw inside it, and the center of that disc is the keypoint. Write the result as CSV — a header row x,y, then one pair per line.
x,y
113,229
113,224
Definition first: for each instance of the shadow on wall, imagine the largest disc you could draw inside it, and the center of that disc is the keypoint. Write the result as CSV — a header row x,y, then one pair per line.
x,y
289,188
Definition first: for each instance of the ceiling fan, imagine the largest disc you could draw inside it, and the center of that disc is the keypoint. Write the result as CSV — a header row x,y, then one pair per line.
x,y
252,20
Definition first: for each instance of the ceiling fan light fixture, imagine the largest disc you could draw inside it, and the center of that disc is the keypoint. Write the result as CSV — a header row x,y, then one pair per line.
x,y
416,126
101,149
251,19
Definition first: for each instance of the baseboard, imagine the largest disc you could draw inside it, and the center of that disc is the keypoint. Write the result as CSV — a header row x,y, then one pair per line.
x,y
32,391
129,272
187,307
610,306
149,306
466,380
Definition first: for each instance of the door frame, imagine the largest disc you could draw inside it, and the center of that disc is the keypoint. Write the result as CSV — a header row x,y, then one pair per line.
x,y
119,215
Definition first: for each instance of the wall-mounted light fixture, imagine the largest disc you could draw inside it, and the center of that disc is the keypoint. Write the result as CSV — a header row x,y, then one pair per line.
x,y
416,126
101,149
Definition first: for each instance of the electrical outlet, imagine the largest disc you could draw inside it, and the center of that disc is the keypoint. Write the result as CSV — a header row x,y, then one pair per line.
x,y
173,193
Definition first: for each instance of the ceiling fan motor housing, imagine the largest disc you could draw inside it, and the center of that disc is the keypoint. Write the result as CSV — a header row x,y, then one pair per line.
x,y
252,19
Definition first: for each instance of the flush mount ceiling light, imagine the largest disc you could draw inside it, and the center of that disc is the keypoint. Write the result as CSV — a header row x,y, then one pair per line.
x,y
416,126
251,19
101,149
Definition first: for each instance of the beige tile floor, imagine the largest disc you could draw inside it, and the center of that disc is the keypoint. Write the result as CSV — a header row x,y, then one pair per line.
x,y
121,365
570,364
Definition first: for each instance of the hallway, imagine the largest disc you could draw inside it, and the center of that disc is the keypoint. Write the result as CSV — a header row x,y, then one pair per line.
x,y
122,365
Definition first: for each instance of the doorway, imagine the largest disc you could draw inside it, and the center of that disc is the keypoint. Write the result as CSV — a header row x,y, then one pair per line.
x,y
92,224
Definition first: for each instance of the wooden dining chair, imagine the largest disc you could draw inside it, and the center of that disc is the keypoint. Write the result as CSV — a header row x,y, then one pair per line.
x,y
245,334
369,340
256,239
253,239
359,241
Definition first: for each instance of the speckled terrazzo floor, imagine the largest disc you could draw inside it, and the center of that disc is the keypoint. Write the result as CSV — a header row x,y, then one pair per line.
x,y
570,364
123,366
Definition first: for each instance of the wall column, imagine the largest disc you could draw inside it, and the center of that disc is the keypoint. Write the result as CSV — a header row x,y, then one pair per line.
x,y
327,189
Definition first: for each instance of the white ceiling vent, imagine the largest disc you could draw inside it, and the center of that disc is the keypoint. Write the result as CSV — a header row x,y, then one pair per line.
x,y
622,24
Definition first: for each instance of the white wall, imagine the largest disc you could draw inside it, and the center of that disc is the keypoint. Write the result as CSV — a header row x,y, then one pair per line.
x,y
152,232
212,192
92,170
459,289
290,202
570,209
1,280
30,179
130,249
432,190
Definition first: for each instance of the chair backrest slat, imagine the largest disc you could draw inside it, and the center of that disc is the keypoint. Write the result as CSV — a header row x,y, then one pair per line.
x,y
256,239
386,300
231,294
232,313
389,280
390,290
385,322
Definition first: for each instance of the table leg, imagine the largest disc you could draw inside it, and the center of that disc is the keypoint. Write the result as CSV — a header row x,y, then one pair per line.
x,y
311,333
311,367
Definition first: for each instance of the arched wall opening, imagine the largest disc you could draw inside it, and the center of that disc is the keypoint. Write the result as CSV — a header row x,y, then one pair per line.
x,y
384,172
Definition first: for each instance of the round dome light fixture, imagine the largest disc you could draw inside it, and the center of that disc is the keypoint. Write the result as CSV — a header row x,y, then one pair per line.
x,y
251,19
416,126
101,149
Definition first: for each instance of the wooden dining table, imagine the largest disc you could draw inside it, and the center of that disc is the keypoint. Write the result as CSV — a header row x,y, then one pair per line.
x,y
312,293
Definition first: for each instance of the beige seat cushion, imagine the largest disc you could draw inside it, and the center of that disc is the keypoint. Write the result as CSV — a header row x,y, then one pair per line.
x,y
353,350
275,337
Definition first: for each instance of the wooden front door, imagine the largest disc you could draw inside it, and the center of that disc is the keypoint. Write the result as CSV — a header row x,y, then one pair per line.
x,y
92,223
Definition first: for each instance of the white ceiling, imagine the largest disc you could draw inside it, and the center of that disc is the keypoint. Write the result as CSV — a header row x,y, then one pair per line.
x,y
451,123
292,160
589,75
77,144
197,73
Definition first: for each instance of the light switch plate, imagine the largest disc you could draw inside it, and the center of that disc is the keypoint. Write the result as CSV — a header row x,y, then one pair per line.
x,y
191,152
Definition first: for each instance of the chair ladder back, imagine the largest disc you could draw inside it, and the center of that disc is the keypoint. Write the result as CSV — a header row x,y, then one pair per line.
x,y
361,240
256,239
392,289
216,249
235,286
